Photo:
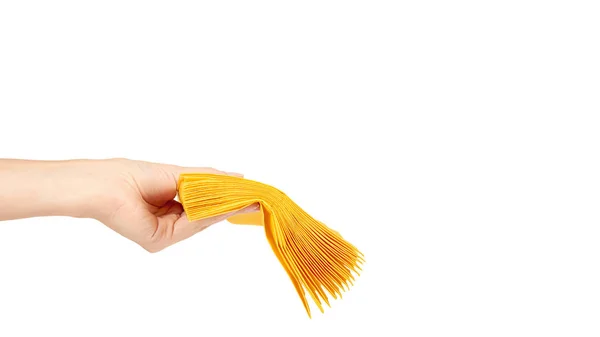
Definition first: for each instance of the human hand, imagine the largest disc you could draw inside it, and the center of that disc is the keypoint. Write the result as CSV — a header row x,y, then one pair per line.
x,y
133,198
140,202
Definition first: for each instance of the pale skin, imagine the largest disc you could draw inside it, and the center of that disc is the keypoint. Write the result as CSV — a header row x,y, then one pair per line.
x,y
134,198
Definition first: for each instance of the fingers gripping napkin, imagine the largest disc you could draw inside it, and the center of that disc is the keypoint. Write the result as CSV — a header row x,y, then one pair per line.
x,y
316,258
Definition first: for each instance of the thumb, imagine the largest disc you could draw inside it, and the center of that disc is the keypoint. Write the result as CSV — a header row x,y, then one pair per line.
x,y
183,228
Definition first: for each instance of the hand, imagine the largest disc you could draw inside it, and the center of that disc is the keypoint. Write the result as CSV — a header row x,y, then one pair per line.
x,y
141,203
134,198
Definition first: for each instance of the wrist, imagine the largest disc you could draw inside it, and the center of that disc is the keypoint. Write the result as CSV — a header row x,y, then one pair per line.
x,y
78,186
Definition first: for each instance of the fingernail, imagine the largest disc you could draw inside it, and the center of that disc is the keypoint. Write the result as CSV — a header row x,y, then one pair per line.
x,y
235,174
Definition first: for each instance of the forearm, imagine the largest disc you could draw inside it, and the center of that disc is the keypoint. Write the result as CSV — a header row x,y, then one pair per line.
x,y
30,188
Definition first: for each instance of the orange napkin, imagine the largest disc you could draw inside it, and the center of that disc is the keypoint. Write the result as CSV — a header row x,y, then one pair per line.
x,y
316,258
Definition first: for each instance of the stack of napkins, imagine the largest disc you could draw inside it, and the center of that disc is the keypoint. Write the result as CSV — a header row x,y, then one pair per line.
x,y
316,258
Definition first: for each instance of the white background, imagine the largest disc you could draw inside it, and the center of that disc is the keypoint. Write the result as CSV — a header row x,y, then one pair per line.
x,y
456,143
